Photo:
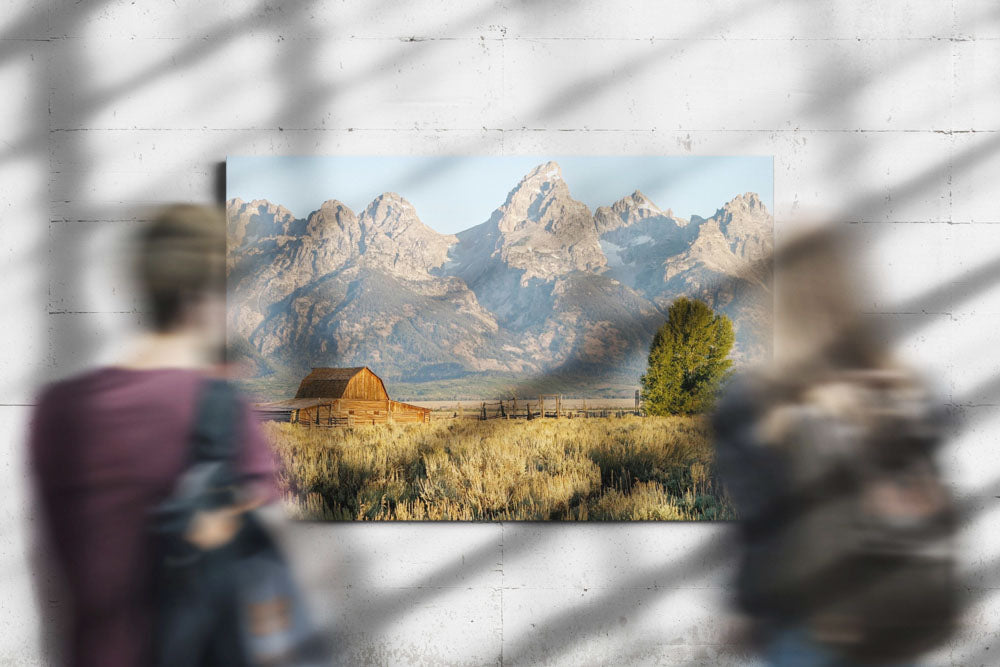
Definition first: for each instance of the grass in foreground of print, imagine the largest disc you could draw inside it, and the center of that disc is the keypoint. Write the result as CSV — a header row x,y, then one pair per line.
x,y
635,468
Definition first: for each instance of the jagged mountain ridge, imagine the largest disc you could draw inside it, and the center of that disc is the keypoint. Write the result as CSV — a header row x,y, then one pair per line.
x,y
543,287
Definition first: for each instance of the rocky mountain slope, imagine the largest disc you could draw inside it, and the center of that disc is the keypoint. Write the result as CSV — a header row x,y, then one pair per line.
x,y
544,293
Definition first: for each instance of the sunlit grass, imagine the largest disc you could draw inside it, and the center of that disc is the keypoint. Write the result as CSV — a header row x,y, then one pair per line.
x,y
651,468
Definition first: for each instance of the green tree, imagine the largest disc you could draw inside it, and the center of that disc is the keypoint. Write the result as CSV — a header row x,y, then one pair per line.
x,y
688,360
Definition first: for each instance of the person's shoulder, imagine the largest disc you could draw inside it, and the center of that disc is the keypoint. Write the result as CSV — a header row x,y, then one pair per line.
x,y
94,381
59,398
747,388
742,401
70,385
748,382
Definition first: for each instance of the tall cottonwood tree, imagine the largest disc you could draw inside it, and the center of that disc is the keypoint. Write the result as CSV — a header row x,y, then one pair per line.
x,y
688,360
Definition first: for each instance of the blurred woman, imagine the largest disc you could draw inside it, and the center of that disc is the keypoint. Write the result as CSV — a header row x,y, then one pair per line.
x,y
828,454
108,446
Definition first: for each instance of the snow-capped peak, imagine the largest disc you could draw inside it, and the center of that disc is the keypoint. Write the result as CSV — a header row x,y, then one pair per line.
x,y
548,171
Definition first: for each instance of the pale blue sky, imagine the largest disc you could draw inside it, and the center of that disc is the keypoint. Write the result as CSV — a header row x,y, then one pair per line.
x,y
453,193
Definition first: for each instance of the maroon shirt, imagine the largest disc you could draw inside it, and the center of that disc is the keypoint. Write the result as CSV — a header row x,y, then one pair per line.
x,y
106,448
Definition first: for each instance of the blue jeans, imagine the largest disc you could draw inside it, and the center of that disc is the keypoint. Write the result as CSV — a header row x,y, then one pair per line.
x,y
794,648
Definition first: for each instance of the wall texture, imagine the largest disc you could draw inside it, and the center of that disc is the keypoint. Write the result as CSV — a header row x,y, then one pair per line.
x,y
882,114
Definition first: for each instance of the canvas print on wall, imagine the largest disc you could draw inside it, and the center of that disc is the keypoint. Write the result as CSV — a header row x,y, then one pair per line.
x,y
496,338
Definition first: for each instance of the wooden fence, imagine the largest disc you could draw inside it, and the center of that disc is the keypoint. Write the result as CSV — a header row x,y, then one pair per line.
x,y
552,406
546,405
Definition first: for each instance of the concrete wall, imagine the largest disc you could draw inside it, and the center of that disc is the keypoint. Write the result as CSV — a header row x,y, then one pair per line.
x,y
885,114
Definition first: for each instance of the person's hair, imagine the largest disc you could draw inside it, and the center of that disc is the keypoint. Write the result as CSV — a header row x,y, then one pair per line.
x,y
820,329
180,257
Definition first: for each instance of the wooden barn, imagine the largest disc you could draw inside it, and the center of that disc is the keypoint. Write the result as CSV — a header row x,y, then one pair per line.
x,y
343,397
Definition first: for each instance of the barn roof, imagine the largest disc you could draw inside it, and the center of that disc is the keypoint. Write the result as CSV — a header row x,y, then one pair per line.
x,y
291,404
302,403
329,382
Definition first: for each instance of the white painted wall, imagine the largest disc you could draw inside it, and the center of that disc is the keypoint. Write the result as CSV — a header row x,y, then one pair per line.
x,y
884,113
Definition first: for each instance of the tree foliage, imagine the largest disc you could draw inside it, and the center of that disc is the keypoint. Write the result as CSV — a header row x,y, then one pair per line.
x,y
688,360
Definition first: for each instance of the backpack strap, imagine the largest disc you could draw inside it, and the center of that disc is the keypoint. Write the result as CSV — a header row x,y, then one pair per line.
x,y
214,441
209,480
213,436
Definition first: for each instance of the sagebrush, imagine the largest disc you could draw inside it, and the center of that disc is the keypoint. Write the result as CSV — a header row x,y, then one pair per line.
x,y
652,468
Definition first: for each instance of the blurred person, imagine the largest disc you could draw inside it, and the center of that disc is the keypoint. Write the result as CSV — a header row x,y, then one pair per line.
x,y
828,454
109,447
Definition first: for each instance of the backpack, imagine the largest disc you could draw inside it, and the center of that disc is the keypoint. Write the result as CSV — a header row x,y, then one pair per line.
x,y
237,604
854,540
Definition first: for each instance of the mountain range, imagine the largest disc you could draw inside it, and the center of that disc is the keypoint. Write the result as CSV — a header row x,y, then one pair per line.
x,y
545,295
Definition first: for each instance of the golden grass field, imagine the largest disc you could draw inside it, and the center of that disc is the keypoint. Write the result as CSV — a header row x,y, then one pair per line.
x,y
632,468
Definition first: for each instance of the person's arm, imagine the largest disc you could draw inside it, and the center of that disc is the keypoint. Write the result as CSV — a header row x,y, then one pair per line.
x,y
50,586
747,468
47,464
